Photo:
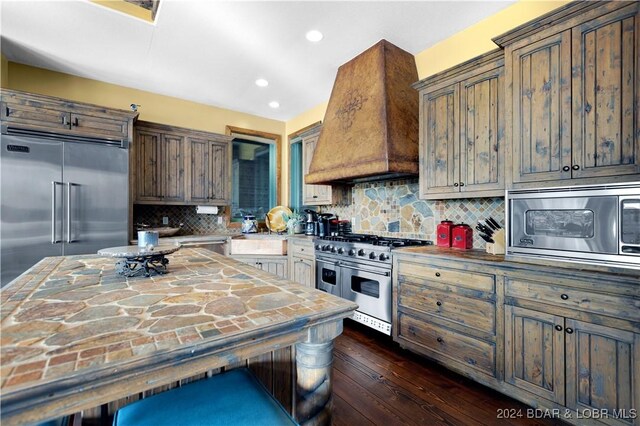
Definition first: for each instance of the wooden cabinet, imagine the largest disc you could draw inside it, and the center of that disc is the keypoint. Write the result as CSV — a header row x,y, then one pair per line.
x,y
173,165
318,195
572,83
302,263
535,349
160,166
448,314
462,130
276,265
21,110
562,348
209,181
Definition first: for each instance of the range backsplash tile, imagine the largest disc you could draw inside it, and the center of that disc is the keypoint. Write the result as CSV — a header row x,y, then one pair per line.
x,y
392,208
186,217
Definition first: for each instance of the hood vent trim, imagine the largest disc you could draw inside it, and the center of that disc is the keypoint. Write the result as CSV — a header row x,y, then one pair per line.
x,y
370,130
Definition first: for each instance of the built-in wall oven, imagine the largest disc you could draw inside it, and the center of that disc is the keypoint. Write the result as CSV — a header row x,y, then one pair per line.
x,y
587,224
358,268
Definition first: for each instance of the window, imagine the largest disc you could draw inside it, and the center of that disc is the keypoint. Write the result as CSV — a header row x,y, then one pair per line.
x,y
295,175
253,177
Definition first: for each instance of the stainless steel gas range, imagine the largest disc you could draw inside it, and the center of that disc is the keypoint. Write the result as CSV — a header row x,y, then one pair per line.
x,y
357,267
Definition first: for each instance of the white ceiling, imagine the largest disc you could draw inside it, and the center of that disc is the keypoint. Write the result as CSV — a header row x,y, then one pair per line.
x,y
212,51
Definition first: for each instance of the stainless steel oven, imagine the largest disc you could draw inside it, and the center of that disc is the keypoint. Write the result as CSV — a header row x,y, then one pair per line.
x,y
357,267
588,224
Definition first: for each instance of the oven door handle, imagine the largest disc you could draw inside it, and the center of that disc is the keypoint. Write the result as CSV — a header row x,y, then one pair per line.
x,y
372,271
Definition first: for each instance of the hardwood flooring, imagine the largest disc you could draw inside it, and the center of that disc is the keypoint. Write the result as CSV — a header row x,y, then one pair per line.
x,y
375,382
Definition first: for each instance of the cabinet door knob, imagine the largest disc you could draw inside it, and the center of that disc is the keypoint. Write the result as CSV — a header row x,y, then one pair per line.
x,y
564,296
455,184
559,327
461,183
437,274
439,303
439,339
575,167
569,330
566,168
315,196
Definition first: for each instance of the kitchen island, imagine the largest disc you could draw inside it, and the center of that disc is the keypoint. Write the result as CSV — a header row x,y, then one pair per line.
x,y
75,334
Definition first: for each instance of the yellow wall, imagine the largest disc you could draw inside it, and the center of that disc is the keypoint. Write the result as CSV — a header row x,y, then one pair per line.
x,y
458,48
4,71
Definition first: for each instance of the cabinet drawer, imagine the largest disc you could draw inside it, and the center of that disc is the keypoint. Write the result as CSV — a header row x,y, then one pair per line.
x,y
616,306
470,280
300,248
474,313
35,116
99,126
472,352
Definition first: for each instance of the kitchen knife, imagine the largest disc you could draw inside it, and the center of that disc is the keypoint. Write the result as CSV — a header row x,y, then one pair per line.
x,y
484,229
490,225
494,222
486,238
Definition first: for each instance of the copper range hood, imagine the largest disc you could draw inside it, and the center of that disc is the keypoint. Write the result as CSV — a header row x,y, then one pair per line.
x,y
370,131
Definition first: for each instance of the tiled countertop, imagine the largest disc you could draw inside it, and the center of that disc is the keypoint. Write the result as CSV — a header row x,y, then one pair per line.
x,y
69,315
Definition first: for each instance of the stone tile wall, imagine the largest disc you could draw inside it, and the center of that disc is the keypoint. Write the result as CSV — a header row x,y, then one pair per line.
x,y
392,208
192,223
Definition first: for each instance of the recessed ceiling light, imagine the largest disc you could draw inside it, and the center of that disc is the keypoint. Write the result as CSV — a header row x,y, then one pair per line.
x,y
314,36
262,82
274,104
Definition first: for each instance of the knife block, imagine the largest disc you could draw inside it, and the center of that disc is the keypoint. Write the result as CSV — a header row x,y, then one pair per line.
x,y
497,247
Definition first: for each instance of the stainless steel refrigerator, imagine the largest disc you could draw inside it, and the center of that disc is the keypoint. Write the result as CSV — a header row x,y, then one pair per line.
x,y
60,196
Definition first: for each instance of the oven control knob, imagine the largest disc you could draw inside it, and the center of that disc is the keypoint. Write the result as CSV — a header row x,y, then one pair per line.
x,y
372,255
361,252
332,248
318,247
384,256
352,252
340,250
325,247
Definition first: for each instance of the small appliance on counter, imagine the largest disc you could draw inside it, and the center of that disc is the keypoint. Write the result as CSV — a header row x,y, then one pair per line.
x,y
462,237
443,233
148,238
324,224
249,224
311,224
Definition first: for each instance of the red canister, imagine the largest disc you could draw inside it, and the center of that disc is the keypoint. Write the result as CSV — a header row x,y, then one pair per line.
x,y
443,233
462,237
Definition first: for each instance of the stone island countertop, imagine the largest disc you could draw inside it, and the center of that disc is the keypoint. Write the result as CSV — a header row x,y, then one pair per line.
x,y
70,322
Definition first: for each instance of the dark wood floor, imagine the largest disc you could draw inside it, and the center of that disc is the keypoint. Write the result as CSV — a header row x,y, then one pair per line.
x,y
375,382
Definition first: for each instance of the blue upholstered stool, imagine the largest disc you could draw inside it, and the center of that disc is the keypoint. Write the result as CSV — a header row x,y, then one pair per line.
x,y
232,398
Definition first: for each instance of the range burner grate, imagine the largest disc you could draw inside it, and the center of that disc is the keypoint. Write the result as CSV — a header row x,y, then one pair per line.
x,y
377,241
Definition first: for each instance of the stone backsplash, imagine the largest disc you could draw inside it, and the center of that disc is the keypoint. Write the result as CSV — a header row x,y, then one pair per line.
x,y
186,217
393,209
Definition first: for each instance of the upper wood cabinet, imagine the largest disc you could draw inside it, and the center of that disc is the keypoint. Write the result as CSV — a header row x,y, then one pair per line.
x,y
318,195
462,130
179,166
28,111
209,180
572,87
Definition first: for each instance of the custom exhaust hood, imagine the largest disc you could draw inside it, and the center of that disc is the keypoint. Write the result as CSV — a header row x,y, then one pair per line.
x,y
370,131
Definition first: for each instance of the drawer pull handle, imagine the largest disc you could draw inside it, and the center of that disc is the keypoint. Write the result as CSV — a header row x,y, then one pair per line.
x,y
437,274
439,303
564,296
439,339
559,327
569,330
301,249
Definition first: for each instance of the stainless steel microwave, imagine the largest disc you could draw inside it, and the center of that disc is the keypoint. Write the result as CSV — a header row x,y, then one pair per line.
x,y
587,224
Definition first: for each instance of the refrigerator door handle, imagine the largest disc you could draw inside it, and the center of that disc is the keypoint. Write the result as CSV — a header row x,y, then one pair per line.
x,y
69,233
54,240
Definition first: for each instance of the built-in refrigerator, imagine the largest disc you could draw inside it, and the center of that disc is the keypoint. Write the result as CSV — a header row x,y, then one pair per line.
x,y
59,196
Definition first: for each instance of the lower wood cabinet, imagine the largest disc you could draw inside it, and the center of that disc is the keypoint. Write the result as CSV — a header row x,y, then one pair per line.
x,y
554,338
302,263
277,265
580,365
